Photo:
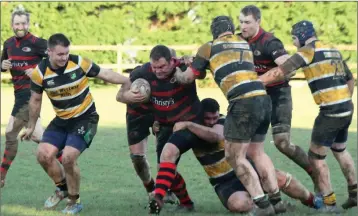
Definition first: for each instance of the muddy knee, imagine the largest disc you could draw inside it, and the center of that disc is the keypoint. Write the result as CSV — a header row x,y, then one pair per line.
x,y
68,161
141,166
283,143
43,157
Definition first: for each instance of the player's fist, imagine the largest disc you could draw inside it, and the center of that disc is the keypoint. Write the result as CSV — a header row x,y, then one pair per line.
x,y
27,134
6,64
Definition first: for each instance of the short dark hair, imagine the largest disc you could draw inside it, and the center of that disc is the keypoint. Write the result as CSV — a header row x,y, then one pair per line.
x,y
252,10
19,11
58,39
160,51
210,105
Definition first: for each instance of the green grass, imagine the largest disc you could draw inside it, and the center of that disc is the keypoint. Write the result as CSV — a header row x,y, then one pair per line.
x,y
109,185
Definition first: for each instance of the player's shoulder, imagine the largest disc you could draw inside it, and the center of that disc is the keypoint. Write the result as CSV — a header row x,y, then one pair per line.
x,y
42,66
9,40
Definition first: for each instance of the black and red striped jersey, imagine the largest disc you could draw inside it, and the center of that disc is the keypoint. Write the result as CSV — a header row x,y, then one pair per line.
x,y
25,53
171,101
266,49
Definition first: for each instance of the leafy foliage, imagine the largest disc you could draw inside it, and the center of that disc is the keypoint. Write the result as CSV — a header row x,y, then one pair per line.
x,y
173,23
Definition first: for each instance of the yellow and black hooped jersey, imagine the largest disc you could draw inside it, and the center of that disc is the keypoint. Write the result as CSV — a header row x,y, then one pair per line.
x,y
214,162
231,62
66,87
326,76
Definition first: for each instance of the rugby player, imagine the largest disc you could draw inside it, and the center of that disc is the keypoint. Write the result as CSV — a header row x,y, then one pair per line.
x,y
331,84
230,60
64,77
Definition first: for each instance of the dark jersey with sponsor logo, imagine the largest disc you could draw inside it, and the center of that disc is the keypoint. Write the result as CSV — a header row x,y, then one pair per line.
x,y
171,101
24,53
266,49
67,87
213,161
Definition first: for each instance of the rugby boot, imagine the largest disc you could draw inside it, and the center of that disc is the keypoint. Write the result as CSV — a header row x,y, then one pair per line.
x,y
155,205
55,199
349,203
268,211
170,198
73,207
283,206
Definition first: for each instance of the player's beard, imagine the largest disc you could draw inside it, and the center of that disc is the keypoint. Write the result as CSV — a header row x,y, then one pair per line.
x,y
21,33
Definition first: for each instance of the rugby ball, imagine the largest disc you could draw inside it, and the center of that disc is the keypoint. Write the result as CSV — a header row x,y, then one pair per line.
x,y
142,86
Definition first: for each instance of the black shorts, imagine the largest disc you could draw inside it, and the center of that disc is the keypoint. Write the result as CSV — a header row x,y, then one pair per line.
x,y
248,119
184,140
281,115
21,106
77,132
328,130
225,190
138,127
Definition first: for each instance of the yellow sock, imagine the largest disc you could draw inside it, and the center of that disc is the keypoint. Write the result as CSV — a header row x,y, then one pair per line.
x,y
330,199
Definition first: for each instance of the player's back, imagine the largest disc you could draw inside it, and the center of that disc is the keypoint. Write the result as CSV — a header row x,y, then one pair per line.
x,y
67,87
24,53
212,158
325,74
231,62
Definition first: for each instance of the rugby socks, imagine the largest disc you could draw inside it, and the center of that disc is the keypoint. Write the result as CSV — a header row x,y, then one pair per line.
x,y
165,178
262,201
330,199
180,191
74,198
310,201
352,191
275,197
6,162
150,186
62,185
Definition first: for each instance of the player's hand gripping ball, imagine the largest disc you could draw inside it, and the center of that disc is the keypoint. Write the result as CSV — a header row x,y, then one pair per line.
x,y
141,86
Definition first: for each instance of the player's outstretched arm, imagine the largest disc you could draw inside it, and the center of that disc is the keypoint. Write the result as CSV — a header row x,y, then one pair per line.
x,y
110,76
210,134
35,104
185,77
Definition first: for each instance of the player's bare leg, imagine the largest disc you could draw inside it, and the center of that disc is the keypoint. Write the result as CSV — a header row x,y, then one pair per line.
x,y
141,165
294,189
347,166
267,173
13,129
240,202
236,155
72,172
294,152
317,155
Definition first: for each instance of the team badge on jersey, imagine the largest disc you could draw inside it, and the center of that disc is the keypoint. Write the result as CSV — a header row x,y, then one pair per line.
x,y
26,49
257,53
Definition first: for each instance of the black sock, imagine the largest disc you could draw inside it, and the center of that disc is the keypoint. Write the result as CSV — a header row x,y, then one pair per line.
x,y
262,202
275,198
352,191
62,185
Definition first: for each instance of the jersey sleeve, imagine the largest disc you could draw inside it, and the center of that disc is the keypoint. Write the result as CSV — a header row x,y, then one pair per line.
x,y
90,68
302,58
138,72
275,48
201,60
4,55
41,45
36,81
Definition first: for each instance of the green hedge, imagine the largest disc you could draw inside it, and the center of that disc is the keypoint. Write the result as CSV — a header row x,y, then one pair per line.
x,y
174,23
